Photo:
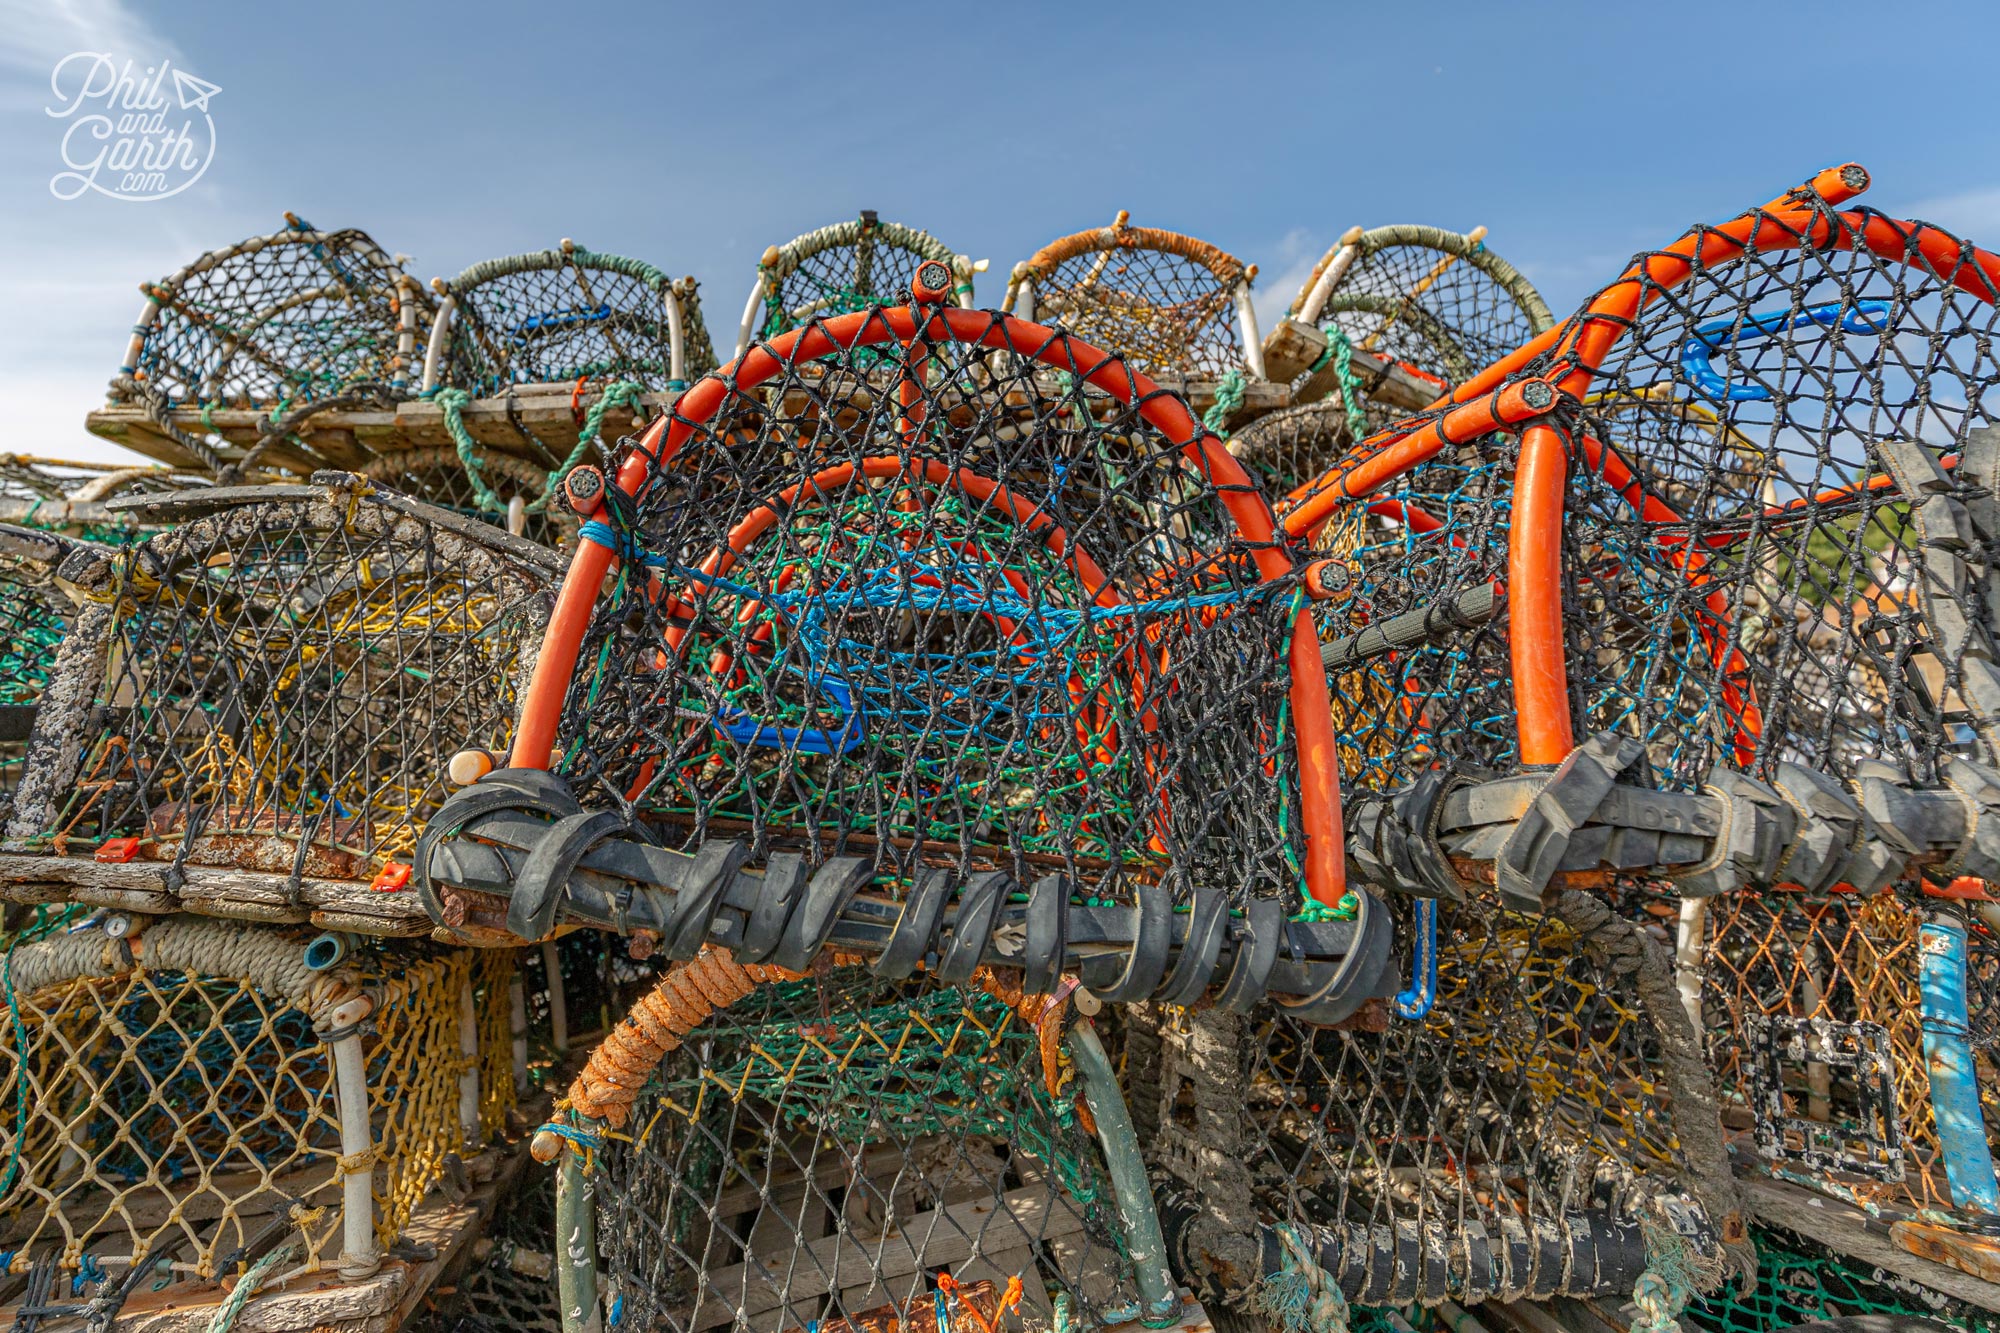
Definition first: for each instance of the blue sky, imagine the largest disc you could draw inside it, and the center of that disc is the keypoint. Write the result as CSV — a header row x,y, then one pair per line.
x,y
695,135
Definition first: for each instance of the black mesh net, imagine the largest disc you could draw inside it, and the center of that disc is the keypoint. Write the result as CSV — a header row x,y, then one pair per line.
x,y
837,1148
1748,584
840,269
276,322
1438,304
559,316
937,603
277,686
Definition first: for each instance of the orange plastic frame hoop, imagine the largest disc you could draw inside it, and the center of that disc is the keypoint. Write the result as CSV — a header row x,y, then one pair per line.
x,y
1310,705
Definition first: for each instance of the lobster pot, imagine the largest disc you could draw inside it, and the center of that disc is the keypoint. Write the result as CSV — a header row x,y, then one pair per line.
x,y
1171,305
276,687
1816,1015
839,269
277,322
1439,304
1753,582
174,1093
559,316
34,616
950,604
823,1147
1801,1281
1510,1126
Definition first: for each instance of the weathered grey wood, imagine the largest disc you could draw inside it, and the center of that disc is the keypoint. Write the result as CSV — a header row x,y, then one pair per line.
x,y
240,895
1843,1228
1382,380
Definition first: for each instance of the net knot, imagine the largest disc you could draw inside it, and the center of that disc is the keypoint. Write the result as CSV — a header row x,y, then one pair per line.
x,y
355,1163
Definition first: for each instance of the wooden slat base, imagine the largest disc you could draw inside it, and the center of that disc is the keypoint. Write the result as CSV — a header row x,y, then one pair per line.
x,y
238,895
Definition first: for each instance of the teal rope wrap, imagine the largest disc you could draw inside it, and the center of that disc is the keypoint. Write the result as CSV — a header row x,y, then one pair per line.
x,y
1228,397
227,1313
1674,1275
1341,353
1301,1297
453,402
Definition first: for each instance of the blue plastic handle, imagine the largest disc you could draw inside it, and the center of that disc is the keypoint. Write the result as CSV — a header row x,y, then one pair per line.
x,y
1698,352
1416,1000
746,730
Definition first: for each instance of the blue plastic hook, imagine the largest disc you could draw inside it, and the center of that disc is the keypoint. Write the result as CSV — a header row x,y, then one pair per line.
x,y
1416,1000
1698,352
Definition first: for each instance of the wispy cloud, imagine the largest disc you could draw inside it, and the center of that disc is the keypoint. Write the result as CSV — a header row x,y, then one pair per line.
x,y
1290,263
1973,214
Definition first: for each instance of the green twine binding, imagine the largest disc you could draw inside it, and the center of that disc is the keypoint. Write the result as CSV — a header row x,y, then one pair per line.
x,y
1674,1275
1228,397
1341,353
623,393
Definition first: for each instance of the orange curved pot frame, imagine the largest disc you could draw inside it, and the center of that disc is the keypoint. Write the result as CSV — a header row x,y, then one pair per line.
x,y
1489,402
1312,719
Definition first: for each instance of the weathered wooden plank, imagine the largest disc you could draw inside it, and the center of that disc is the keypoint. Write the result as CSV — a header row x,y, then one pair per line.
x,y
208,891
1845,1230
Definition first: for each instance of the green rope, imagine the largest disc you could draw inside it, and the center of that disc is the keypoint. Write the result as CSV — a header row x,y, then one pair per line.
x,y
1341,353
622,393
453,402
228,1312
1228,397
1674,1275
1301,1297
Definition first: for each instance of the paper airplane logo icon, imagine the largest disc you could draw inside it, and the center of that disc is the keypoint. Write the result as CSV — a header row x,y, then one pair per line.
x,y
194,93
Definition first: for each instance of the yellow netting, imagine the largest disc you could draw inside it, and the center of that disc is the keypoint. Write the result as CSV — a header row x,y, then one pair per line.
x,y
1579,1047
414,1067
493,977
163,1112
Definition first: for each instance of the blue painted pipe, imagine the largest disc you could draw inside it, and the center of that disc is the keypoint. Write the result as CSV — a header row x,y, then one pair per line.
x,y
1961,1125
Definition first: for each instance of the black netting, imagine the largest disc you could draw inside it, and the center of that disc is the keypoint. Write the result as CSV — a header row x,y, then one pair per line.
x,y
277,687
559,316
1520,1087
276,322
935,604
1745,576
1440,305
840,269
837,1147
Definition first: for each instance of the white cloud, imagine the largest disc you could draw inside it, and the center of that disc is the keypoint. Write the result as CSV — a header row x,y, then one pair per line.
x,y
1972,214
1292,263
35,34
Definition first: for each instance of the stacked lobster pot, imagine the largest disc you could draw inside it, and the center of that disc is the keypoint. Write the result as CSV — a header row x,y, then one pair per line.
x,y
947,711
237,1068
1730,525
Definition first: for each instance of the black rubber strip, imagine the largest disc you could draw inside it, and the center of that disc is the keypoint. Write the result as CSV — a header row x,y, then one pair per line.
x,y
784,881
979,904
1042,955
1206,920
1256,950
715,865
1151,936
916,925
825,898
544,876
1350,983
533,790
